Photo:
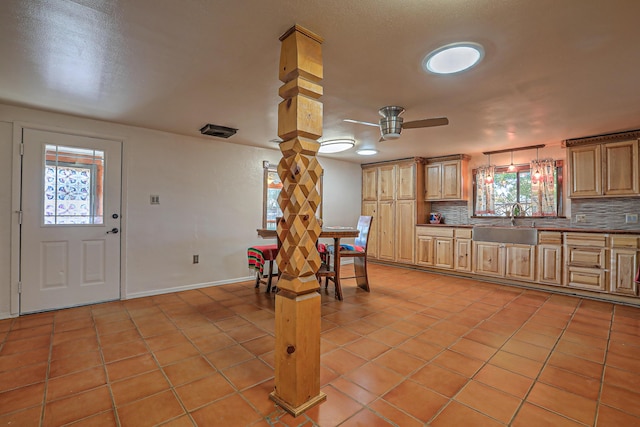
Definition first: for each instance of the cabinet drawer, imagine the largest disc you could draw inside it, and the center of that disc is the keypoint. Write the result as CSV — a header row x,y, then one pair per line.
x,y
463,233
550,238
434,231
586,239
586,278
579,256
624,241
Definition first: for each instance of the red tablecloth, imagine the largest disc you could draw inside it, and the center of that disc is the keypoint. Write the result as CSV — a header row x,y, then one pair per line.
x,y
257,255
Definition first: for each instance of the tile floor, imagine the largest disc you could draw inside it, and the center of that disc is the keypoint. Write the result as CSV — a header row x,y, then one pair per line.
x,y
420,349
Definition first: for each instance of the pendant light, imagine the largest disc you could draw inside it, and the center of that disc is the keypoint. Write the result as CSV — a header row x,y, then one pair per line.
x,y
536,174
489,178
512,167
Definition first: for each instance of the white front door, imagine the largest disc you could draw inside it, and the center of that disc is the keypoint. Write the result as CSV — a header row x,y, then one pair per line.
x,y
70,239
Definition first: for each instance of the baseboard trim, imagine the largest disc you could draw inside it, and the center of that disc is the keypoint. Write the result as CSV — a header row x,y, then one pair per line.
x,y
154,292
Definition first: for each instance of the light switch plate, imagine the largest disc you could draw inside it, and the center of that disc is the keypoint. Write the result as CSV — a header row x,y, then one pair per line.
x,y
581,218
630,218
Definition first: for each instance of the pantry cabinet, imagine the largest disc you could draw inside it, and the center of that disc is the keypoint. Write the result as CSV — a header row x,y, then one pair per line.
x,y
389,194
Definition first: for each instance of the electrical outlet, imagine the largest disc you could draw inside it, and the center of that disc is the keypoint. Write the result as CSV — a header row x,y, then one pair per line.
x,y
155,199
196,259
630,218
581,218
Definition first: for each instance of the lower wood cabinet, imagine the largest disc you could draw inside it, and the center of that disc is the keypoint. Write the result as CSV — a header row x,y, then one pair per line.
x,y
625,251
549,262
488,258
405,224
586,261
370,208
549,258
520,262
434,247
462,250
504,260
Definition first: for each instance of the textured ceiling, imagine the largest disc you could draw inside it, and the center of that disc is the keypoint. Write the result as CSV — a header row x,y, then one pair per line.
x,y
553,69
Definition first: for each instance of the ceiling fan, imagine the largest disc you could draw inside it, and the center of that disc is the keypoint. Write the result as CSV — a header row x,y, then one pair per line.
x,y
391,124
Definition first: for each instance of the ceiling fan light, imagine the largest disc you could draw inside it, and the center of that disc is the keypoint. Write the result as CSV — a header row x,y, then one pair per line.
x,y
390,127
390,136
336,145
453,58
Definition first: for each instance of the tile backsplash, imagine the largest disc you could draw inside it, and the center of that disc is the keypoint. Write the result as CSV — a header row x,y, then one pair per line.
x,y
601,213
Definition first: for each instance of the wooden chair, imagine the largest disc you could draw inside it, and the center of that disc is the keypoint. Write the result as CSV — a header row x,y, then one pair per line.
x,y
359,254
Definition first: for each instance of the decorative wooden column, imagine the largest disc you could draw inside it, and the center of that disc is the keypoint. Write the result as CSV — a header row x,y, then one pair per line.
x,y
297,354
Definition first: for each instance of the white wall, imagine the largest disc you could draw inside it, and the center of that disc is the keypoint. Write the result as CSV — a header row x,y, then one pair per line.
x,y
210,202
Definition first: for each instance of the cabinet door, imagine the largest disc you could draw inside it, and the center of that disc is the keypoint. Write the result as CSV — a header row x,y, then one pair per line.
x,y
386,182
405,229
624,265
621,168
433,181
424,247
520,262
370,209
585,167
549,262
406,189
386,230
451,185
463,255
488,258
443,248
370,184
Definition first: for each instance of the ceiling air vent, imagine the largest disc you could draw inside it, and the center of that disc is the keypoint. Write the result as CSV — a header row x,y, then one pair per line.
x,y
219,131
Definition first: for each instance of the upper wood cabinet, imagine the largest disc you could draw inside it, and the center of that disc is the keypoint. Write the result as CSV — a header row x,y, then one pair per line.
x,y
586,171
387,182
406,188
369,184
446,178
603,169
620,168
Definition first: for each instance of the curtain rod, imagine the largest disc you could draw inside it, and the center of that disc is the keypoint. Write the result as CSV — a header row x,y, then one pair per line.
x,y
510,150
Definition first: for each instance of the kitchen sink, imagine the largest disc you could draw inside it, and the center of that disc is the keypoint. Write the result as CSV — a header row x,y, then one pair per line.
x,y
518,235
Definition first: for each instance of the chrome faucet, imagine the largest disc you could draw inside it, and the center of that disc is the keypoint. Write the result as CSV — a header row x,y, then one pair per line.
x,y
520,209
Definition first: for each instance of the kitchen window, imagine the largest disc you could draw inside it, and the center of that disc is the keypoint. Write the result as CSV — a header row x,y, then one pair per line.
x,y
536,187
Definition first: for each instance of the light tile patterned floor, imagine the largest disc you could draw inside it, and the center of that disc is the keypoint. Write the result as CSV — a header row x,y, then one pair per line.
x,y
420,349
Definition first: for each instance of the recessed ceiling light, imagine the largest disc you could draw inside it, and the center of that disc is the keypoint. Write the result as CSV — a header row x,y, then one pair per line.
x,y
336,145
453,58
367,152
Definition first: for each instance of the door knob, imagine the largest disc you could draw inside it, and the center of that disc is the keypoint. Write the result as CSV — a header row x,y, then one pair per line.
x,y
113,231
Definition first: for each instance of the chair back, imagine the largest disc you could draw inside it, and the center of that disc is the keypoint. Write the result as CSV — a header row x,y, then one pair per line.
x,y
364,225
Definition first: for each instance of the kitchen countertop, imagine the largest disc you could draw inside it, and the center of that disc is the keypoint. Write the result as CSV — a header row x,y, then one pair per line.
x,y
560,229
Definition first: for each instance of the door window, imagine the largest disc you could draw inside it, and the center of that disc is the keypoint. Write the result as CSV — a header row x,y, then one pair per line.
x,y
73,185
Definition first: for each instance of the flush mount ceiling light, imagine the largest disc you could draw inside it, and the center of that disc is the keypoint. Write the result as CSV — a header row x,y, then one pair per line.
x,y
367,152
453,58
336,145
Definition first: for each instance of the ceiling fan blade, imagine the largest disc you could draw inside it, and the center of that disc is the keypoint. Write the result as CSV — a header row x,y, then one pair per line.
x,y
426,123
361,123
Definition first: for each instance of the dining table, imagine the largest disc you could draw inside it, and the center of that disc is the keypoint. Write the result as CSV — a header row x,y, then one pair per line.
x,y
328,232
